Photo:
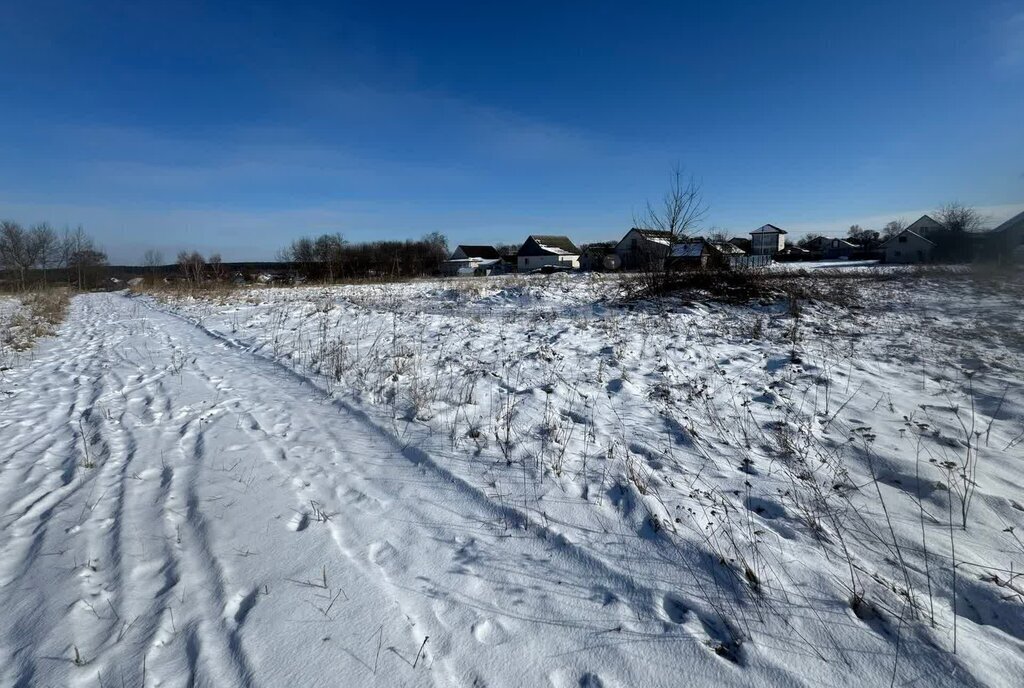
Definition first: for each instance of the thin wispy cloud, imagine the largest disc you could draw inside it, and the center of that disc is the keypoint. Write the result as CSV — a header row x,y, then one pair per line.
x,y
1010,39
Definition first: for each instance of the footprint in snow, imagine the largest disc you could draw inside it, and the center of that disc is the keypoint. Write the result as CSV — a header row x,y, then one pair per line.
x,y
383,554
489,632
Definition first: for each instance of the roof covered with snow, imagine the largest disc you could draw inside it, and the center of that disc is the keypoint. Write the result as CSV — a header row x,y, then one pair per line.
x,y
688,249
551,244
727,247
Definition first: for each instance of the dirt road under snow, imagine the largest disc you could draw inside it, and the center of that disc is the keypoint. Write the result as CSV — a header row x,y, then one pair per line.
x,y
174,511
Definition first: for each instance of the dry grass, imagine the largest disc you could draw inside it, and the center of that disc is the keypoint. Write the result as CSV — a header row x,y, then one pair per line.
x,y
39,315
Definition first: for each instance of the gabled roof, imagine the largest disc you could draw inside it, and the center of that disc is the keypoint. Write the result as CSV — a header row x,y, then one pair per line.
x,y
484,252
727,247
927,217
600,247
556,244
769,229
907,231
689,249
1014,222
652,233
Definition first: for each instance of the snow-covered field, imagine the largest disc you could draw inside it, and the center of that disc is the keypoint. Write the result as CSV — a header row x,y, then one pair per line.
x,y
518,481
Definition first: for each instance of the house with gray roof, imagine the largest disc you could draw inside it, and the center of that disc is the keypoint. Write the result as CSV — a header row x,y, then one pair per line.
x,y
767,240
541,250
643,249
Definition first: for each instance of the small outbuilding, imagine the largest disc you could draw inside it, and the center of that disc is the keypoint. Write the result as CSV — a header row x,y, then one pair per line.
x,y
599,256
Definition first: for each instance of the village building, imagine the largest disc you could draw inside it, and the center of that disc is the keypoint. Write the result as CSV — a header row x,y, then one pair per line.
x,y
600,256
702,253
925,226
767,240
1005,243
643,249
472,260
548,250
908,247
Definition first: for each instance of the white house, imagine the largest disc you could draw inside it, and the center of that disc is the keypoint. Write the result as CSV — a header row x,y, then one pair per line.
x,y
908,247
470,260
540,250
643,249
766,240
925,225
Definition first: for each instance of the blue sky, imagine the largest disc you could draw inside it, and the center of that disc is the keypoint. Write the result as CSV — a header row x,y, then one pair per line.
x,y
236,126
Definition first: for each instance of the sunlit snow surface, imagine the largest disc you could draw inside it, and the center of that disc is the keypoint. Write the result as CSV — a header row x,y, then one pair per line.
x,y
517,481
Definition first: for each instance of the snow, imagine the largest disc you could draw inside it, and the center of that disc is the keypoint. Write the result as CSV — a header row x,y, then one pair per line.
x,y
554,249
290,486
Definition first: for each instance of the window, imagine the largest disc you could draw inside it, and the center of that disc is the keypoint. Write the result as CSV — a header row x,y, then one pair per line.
x,y
899,253
903,239
526,261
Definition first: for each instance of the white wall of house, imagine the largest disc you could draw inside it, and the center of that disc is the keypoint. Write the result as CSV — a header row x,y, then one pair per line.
x,y
528,263
766,243
637,251
908,247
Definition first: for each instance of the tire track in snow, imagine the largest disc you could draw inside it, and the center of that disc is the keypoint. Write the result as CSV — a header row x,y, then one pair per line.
x,y
409,549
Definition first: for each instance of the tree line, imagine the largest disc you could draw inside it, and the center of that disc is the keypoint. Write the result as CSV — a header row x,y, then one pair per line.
x,y
331,257
32,254
328,257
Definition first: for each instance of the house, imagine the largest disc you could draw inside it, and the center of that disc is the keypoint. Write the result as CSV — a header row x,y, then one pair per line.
x,y
702,253
600,256
689,254
741,243
470,260
908,247
1005,243
925,226
766,240
838,248
540,250
831,247
643,249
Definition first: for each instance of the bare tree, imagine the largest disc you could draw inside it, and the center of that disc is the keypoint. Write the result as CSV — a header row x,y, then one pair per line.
x,y
84,260
216,267
15,249
893,227
152,258
681,209
191,265
718,235
809,240
958,217
328,250
868,238
45,247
